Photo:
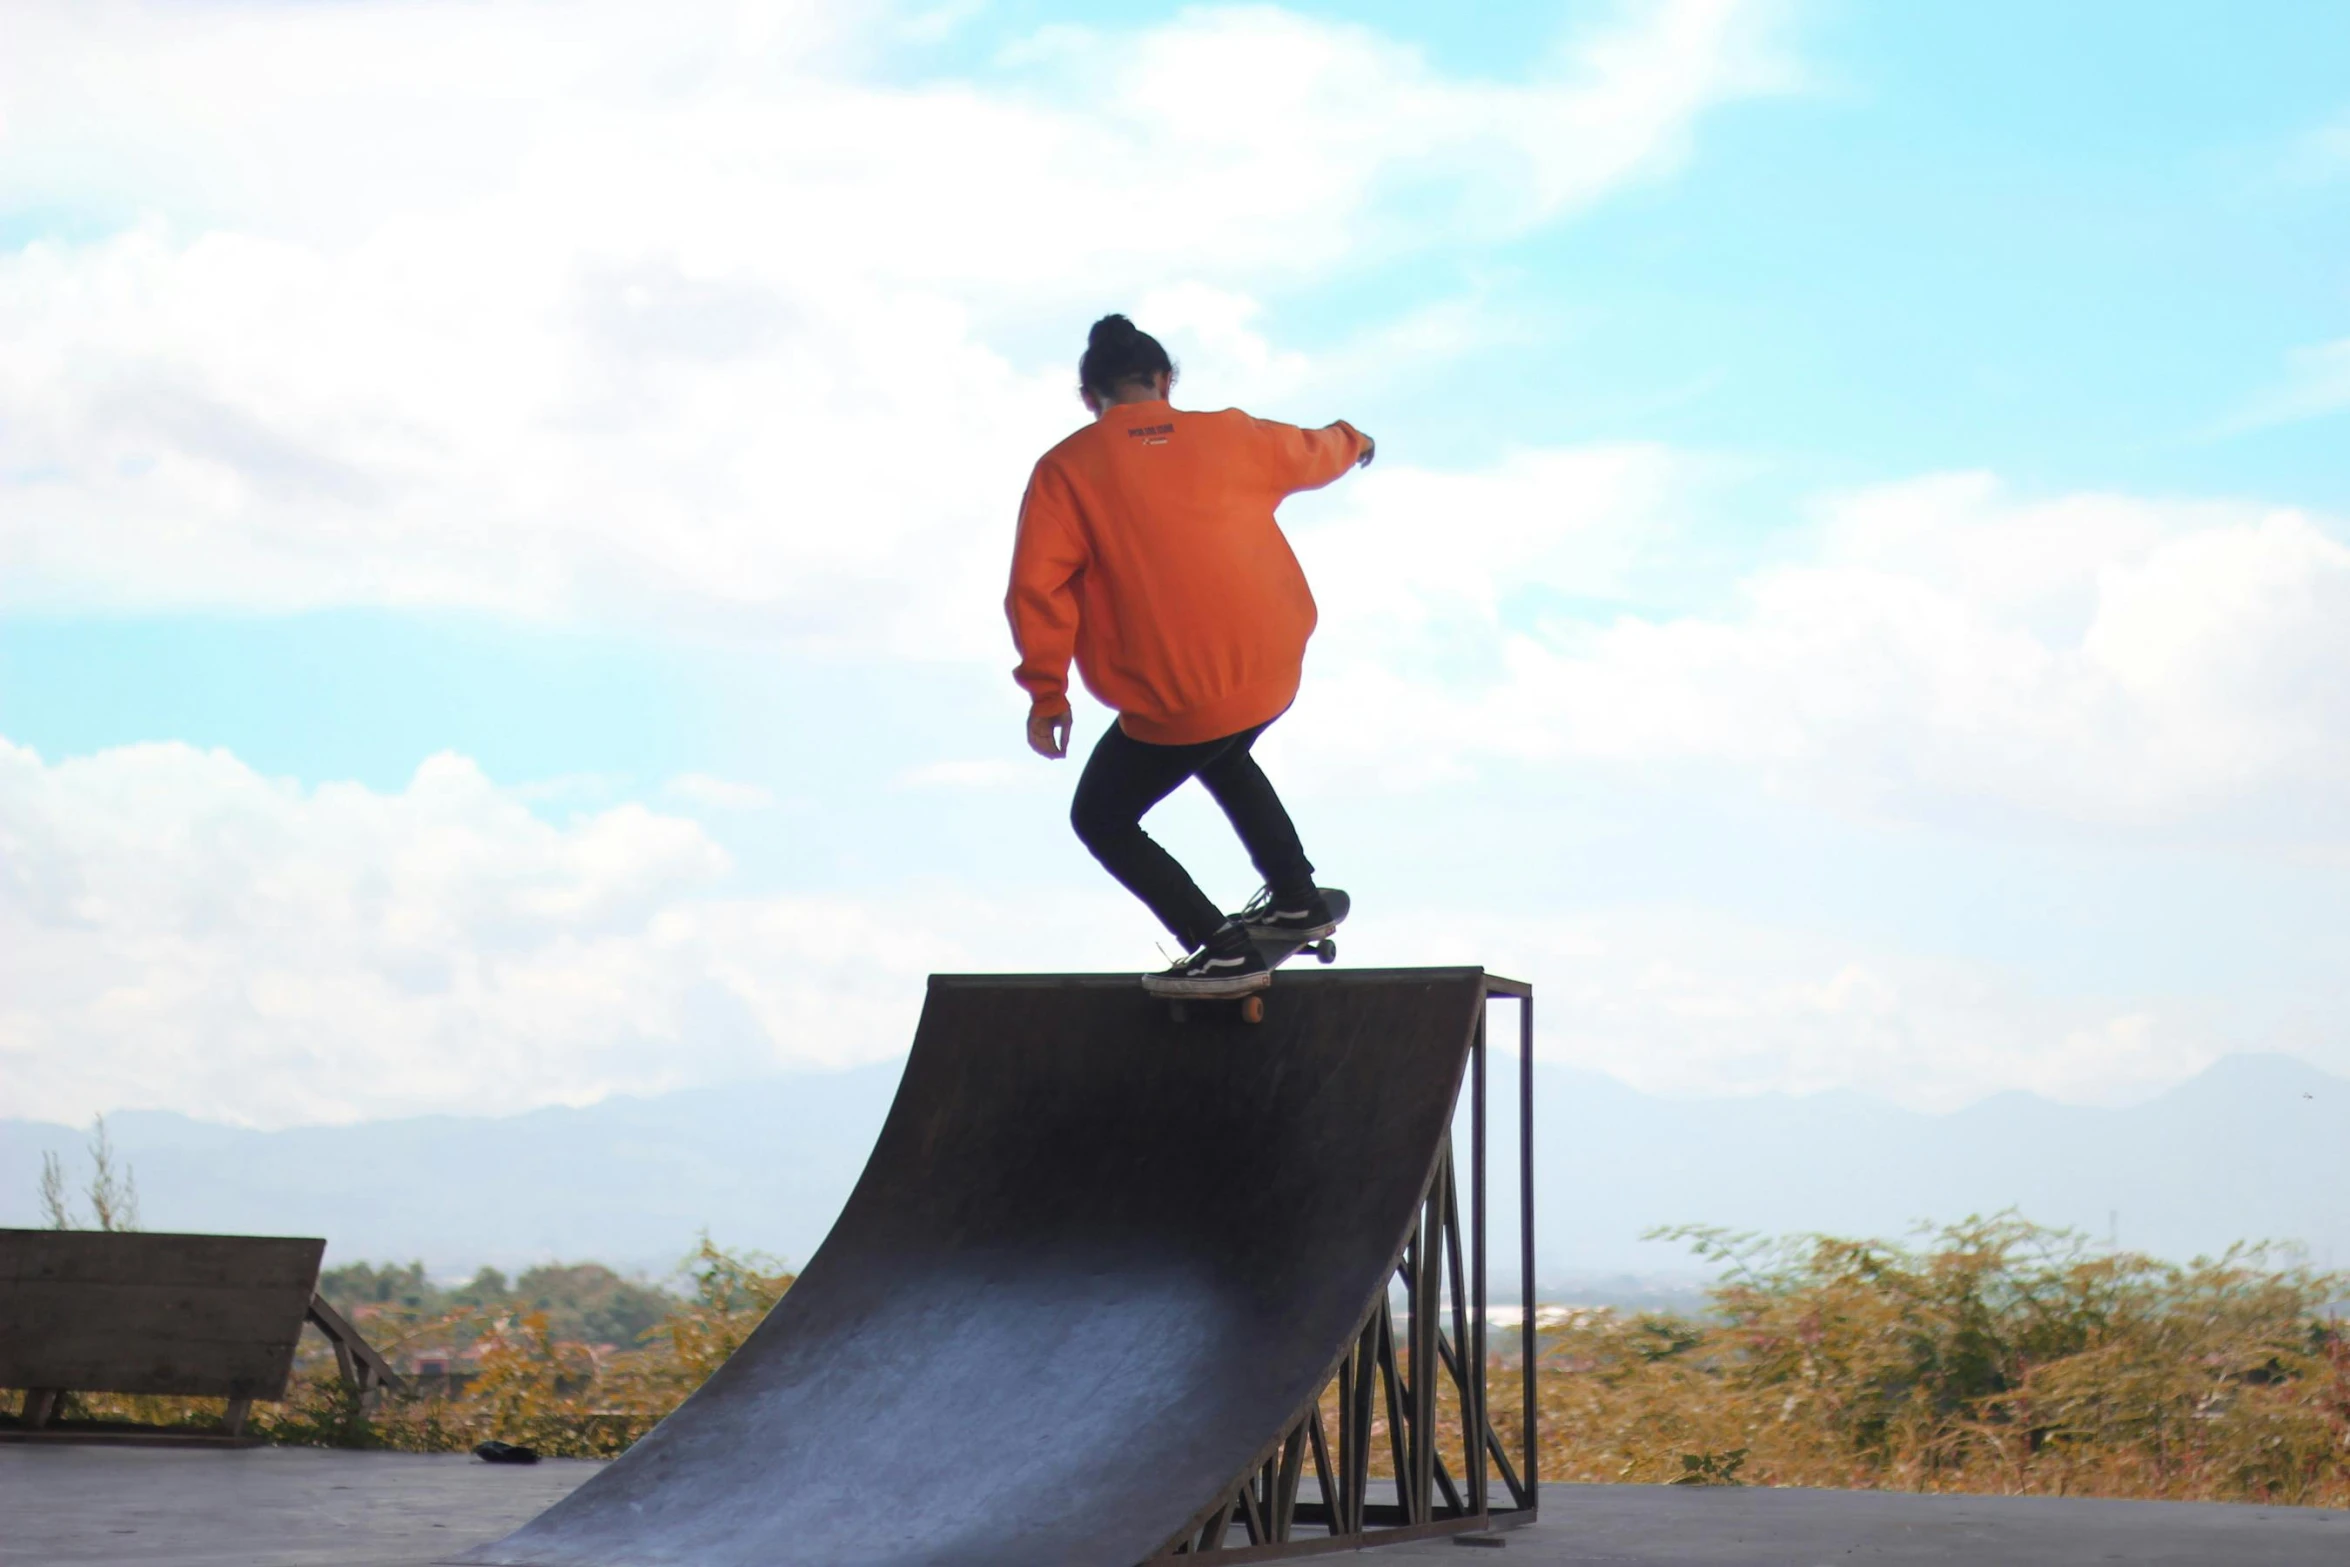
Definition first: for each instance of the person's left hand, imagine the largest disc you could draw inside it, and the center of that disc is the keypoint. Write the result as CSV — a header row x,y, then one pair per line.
x,y
1048,734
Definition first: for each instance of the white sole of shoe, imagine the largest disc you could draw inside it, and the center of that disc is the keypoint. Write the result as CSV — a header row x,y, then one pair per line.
x,y
1207,989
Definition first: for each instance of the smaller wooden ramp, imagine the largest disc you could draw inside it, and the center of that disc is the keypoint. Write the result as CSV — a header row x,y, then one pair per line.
x,y
89,1311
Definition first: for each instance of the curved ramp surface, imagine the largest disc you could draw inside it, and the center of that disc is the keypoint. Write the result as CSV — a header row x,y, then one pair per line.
x,y
1097,1262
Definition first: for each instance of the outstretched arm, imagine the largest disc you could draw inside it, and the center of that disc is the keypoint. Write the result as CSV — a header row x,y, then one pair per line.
x,y
1047,559
1308,459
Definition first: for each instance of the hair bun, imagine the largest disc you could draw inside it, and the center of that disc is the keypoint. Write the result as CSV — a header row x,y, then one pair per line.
x,y
1111,329
1119,354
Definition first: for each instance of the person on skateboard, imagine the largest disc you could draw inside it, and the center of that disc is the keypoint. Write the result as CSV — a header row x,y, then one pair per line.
x,y
1147,551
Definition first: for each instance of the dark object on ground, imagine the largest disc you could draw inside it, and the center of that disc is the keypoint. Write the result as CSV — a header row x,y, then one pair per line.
x,y
495,1452
217,1316
1081,1303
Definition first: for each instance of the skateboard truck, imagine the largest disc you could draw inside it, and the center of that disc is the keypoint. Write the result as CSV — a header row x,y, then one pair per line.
x,y
1251,1007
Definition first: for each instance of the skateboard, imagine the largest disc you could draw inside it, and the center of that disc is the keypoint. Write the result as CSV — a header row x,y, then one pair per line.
x,y
1276,950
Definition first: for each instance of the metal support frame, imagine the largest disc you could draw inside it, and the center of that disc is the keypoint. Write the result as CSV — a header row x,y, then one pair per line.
x,y
1388,1379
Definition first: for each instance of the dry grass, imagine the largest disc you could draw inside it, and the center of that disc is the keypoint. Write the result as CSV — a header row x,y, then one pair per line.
x,y
1994,1356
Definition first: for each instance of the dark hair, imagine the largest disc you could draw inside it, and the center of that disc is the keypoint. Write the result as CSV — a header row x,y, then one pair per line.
x,y
1118,353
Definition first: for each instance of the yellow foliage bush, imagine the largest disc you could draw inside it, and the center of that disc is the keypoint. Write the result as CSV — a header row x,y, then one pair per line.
x,y
1998,1356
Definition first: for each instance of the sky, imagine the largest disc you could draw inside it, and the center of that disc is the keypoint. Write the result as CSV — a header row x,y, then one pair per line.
x,y
504,511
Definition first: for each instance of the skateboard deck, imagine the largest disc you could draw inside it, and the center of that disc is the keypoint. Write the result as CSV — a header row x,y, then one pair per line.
x,y
1276,950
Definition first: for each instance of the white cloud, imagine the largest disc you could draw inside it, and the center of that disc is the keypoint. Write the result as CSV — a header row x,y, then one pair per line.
x,y
229,422
2316,383
1418,575
561,312
176,930
1688,1001
984,773
724,794
1295,143
1936,644
2324,152
179,931
593,312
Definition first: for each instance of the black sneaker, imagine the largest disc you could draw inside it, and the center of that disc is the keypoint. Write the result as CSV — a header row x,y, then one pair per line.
x,y
1229,965
1304,919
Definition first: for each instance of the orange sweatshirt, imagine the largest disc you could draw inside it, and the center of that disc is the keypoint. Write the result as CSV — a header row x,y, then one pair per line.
x,y
1148,551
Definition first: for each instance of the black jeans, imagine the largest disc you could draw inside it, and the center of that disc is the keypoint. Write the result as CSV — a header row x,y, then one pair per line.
x,y
1125,777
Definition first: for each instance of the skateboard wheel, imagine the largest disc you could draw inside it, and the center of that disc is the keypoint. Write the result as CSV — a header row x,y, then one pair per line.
x,y
1327,952
1252,1009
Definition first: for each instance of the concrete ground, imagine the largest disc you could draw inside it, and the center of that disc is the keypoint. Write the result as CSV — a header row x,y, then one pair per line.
x,y
298,1507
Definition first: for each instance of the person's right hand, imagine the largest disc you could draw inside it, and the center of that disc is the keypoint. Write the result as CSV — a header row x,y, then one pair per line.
x,y
1370,450
1048,734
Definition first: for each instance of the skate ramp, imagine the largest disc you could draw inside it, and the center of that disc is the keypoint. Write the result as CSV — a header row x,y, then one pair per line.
x,y
1097,1263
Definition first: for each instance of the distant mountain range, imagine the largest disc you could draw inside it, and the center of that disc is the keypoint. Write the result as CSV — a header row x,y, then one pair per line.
x,y
2256,1148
